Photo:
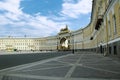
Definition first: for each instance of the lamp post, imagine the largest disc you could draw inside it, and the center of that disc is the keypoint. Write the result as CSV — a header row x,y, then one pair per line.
x,y
57,42
73,51
58,38
83,39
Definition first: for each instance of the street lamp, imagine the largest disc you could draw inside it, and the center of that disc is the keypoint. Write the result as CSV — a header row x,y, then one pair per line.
x,y
73,51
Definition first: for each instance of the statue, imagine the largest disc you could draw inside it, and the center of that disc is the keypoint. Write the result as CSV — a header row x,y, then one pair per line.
x,y
64,29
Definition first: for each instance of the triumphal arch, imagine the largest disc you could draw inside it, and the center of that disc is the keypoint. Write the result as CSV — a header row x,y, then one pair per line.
x,y
64,39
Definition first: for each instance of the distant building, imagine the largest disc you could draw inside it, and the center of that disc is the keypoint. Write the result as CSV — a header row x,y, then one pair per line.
x,y
102,34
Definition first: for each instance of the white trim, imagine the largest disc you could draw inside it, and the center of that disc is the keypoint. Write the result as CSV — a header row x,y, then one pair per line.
x,y
103,44
110,8
112,41
115,40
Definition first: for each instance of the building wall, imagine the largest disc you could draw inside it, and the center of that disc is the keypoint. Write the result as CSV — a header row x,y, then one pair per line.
x,y
108,34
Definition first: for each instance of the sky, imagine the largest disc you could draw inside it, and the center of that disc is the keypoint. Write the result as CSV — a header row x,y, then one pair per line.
x,y
42,18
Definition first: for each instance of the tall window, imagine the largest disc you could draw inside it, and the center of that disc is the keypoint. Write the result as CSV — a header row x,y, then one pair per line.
x,y
114,24
119,16
109,28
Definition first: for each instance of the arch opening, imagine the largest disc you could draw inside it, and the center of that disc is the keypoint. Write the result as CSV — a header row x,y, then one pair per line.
x,y
64,44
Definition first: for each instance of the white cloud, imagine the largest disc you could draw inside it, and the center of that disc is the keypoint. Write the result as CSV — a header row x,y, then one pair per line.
x,y
11,6
73,10
14,20
21,23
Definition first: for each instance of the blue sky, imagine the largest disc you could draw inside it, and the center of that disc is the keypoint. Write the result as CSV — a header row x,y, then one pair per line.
x,y
41,18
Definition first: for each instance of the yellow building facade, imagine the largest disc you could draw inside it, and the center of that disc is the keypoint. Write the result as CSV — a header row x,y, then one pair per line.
x,y
101,35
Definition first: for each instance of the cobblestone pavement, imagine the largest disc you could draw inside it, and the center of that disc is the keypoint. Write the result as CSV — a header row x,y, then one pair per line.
x,y
85,66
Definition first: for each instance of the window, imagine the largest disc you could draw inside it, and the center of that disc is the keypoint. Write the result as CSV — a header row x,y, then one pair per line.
x,y
119,15
114,24
109,28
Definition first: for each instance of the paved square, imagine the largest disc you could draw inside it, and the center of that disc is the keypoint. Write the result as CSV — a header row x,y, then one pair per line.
x,y
87,66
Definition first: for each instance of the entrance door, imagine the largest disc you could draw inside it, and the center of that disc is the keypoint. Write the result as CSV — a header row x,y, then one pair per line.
x,y
115,50
101,49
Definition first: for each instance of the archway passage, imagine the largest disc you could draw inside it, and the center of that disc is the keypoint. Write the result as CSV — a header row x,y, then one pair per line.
x,y
64,44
